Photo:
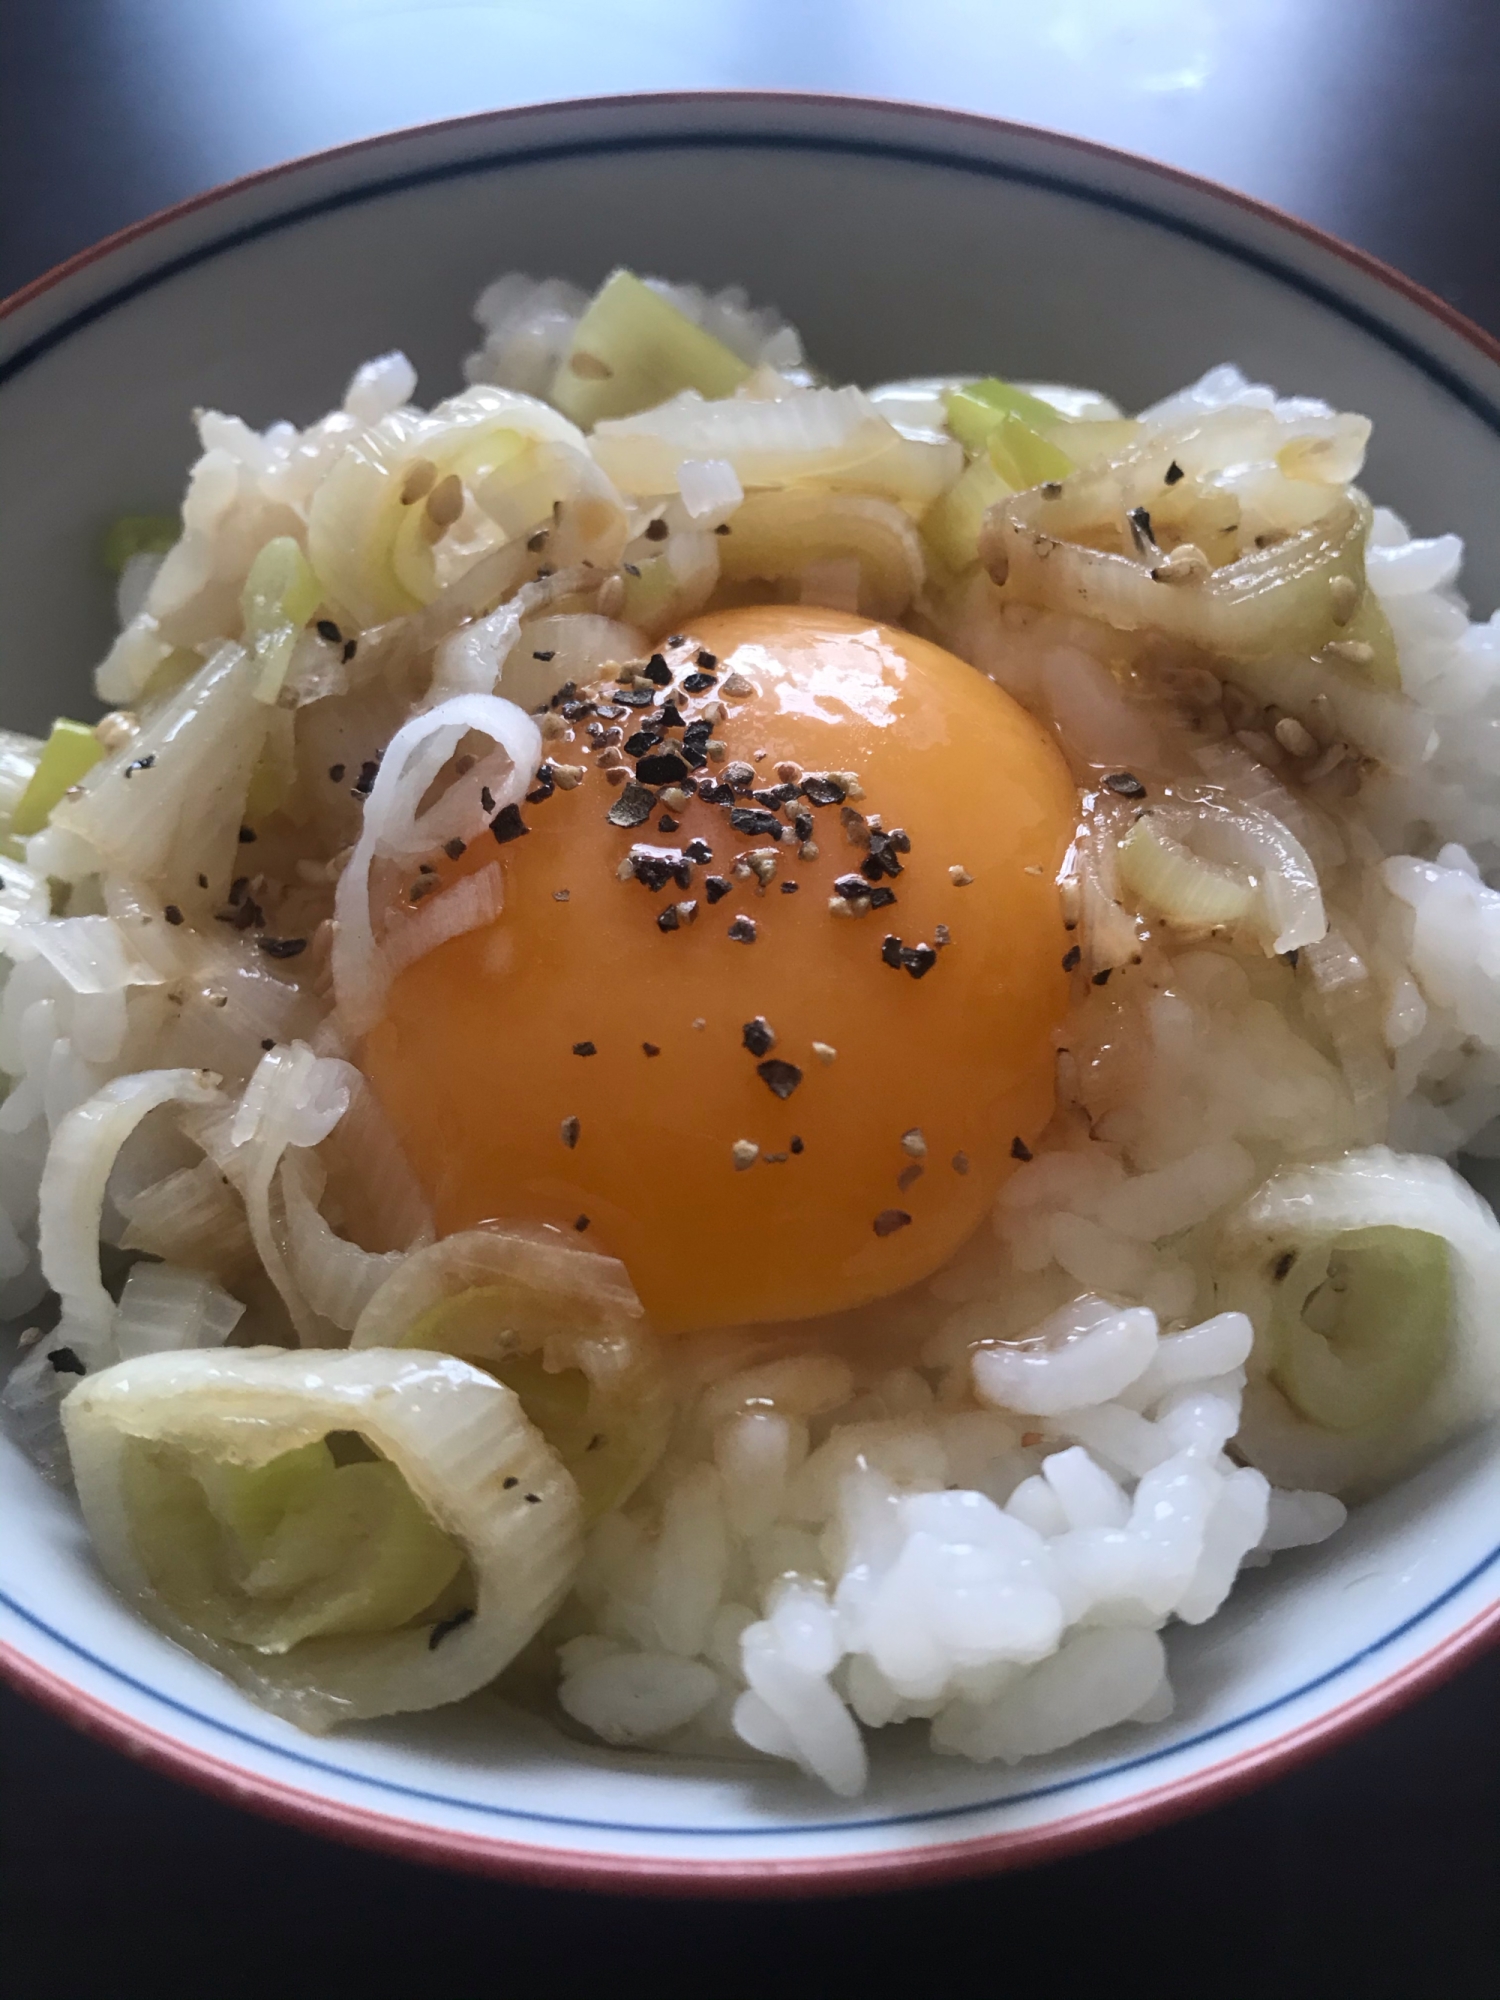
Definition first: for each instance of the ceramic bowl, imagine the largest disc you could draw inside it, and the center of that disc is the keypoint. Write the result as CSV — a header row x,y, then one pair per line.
x,y
901,241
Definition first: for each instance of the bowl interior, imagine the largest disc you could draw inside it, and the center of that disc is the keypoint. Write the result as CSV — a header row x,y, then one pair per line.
x,y
900,243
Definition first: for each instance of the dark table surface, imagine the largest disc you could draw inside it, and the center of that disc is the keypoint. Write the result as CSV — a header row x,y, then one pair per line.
x,y
1370,1873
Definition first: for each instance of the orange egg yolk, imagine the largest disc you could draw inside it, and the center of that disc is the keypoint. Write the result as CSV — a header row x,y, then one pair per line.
x,y
575,1065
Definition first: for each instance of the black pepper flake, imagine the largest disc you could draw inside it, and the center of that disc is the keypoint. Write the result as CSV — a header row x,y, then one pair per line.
x,y
238,887
890,1220
1019,1150
172,914
656,531
326,629
351,647
918,959
510,1482
635,697
1142,533
1102,978
508,825
1126,784
707,660
900,839
580,1225
791,888
1283,1265
274,947
668,919
881,899
824,791
364,784
642,741
455,849
661,767
202,881
631,569
774,796
722,529
247,835
633,807
486,799
444,1626
749,819
699,851
63,1361
743,930
853,888
716,887
657,670
140,764
1071,957
716,794
1173,474
666,824
569,1130
1291,957
336,772
780,1078
650,1048
268,1042
584,1049
960,1163
795,1144
758,1036
537,542
669,716
890,950
697,683
550,653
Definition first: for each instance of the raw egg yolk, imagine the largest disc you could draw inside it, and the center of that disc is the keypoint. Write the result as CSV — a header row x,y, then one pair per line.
x,y
774,1109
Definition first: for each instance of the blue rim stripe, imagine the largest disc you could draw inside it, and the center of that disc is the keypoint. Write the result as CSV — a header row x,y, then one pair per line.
x,y
1410,350
1369,323
924,1818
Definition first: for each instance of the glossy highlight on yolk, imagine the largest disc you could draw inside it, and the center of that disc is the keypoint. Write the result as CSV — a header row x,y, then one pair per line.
x,y
882,1119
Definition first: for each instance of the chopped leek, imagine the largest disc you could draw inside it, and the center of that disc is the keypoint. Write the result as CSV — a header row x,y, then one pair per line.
x,y
139,535
267,1556
1360,1327
950,527
1188,891
977,409
345,1534
71,752
1023,456
281,593
633,349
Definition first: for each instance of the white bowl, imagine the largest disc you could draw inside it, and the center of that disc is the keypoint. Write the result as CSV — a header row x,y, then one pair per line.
x,y
901,241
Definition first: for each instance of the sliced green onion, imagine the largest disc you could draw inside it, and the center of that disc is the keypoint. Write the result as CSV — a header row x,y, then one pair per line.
x,y
950,527
1023,456
71,752
1359,1333
632,350
1188,891
978,408
139,535
281,593
299,1548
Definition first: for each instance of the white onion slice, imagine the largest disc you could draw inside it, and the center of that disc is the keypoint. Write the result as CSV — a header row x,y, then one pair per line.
x,y
164,1308
785,534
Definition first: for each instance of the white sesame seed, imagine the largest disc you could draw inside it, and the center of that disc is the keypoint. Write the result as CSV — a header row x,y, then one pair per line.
x,y
824,1051
746,1153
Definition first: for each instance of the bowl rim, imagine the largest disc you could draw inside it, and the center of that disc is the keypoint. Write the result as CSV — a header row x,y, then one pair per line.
x,y
866,1871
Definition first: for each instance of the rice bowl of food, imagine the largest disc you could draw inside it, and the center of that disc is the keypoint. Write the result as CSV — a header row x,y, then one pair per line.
x,y
748,1075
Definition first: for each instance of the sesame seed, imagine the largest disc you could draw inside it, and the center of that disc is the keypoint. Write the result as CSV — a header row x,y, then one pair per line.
x,y
568,1131
561,895
915,1143
745,1153
825,1052
910,1175
959,877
